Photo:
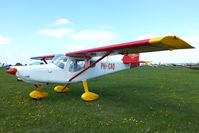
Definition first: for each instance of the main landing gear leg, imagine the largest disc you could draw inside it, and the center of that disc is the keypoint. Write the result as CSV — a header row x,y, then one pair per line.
x,y
88,96
62,89
37,94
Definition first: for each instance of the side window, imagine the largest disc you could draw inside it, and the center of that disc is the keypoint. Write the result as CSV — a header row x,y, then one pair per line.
x,y
61,65
80,65
71,66
77,65
62,62
92,61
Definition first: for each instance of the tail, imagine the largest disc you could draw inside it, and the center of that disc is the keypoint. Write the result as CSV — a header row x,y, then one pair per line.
x,y
133,59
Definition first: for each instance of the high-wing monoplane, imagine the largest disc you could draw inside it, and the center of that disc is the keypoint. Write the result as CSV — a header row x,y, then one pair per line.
x,y
83,65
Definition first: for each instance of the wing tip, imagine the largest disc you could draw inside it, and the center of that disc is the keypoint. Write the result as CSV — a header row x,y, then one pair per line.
x,y
172,42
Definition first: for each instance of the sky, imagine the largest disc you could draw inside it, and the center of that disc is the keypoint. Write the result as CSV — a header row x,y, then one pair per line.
x,y
43,27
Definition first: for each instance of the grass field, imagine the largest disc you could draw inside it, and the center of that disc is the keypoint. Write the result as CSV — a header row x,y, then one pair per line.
x,y
140,100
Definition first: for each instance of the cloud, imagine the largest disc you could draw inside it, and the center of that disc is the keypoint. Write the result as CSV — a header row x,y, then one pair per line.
x,y
74,47
193,31
12,56
149,36
192,39
61,21
86,39
105,27
56,32
146,36
94,36
5,40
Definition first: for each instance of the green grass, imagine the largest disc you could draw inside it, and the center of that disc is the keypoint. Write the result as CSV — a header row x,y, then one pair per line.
x,y
142,100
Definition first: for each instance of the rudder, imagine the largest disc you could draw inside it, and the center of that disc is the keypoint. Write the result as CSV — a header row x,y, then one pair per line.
x,y
133,59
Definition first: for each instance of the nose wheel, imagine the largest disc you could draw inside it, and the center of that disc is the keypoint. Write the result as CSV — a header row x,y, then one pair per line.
x,y
38,94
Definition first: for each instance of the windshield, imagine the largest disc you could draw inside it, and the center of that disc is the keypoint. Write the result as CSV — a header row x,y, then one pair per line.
x,y
60,61
56,57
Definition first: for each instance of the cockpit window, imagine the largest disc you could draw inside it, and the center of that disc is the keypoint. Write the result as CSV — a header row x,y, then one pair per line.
x,y
56,57
92,61
77,65
60,61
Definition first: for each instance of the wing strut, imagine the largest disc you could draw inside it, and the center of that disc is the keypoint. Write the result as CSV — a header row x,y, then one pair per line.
x,y
87,67
43,59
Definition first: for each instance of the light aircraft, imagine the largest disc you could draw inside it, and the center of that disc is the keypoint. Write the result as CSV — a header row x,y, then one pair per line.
x,y
83,65
192,67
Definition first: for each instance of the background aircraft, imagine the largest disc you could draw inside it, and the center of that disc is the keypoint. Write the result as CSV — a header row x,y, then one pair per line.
x,y
192,67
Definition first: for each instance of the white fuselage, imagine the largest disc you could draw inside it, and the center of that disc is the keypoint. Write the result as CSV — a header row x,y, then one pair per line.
x,y
66,68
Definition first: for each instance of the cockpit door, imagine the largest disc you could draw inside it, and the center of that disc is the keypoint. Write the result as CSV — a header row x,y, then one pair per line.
x,y
59,71
75,66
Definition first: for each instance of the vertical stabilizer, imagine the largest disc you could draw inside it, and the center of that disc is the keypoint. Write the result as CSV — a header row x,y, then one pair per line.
x,y
133,59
